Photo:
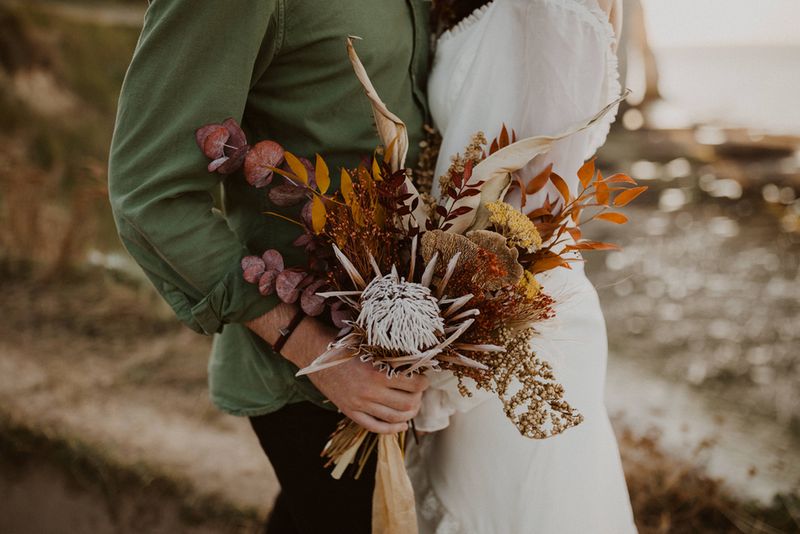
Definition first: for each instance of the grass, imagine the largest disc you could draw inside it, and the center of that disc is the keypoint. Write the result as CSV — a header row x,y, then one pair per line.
x,y
53,159
674,496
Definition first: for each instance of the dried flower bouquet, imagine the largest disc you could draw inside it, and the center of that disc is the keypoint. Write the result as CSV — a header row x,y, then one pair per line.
x,y
420,284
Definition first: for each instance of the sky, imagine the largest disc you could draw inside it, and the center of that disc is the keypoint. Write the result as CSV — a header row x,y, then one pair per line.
x,y
673,23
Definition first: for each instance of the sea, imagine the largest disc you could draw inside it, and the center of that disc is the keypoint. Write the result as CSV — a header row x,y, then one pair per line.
x,y
756,87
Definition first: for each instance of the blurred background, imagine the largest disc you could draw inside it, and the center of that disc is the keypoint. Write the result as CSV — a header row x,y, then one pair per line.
x,y
104,421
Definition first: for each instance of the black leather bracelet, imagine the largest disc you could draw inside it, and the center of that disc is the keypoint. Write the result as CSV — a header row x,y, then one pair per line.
x,y
286,331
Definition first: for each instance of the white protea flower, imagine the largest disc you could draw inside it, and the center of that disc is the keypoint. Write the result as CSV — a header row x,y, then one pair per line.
x,y
401,325
399,315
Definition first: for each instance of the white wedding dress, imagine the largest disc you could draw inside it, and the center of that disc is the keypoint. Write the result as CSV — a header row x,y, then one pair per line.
x,y
539,66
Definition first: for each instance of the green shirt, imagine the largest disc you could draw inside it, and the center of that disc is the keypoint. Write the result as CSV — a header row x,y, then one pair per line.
x,y
279,67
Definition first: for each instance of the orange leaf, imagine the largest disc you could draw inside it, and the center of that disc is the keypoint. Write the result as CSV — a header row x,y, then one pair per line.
x,y
539,212
503,141
620,178
576,214
602,195
297,167
575,233
322,175
624,198
586,173
546,264
616,218
536,185
318,214
592,245
561,185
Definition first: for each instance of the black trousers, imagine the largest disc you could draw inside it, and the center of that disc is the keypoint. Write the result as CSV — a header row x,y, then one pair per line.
x,y
311,501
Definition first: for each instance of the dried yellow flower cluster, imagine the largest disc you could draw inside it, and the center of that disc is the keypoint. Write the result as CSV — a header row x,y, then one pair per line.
x,y
530,285
518,230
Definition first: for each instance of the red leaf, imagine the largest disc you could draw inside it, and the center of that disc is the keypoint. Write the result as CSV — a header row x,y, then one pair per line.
x,y
536,185
259,162
625,198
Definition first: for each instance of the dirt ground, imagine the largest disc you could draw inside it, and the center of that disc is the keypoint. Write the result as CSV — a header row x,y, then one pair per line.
x,y
86,360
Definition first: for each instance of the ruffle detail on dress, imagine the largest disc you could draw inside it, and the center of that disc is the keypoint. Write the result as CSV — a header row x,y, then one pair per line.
x,y
466,22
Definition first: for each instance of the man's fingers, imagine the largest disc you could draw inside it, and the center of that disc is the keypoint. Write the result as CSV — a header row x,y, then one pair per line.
x,y
415,383
388,414
374,425
401,401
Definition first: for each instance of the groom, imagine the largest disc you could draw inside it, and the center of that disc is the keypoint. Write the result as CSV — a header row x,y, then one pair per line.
x,y
281,69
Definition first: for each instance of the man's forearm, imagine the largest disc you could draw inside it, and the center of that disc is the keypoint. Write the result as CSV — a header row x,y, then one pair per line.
x,y
308,340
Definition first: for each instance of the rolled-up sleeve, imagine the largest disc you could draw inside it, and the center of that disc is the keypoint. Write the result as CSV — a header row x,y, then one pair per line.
x,y
194,64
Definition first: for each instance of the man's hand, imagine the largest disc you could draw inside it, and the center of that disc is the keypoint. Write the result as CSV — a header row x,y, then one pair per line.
x,y
371,399
365,395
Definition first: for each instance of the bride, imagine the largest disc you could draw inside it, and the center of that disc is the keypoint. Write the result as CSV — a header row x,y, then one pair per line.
x,y
538,66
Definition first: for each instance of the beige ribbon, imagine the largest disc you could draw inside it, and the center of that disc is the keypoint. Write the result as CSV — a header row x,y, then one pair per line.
x,y
393,507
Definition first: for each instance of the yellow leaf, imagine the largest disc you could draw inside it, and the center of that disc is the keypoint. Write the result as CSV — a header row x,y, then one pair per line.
x,y
376,170
318,214
297,167
322,175
346,187
387,153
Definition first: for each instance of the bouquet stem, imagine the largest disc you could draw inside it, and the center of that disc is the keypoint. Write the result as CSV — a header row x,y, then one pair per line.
x,y
393,505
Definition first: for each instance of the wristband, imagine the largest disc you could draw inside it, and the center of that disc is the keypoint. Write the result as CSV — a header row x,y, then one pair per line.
x,y
286,331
